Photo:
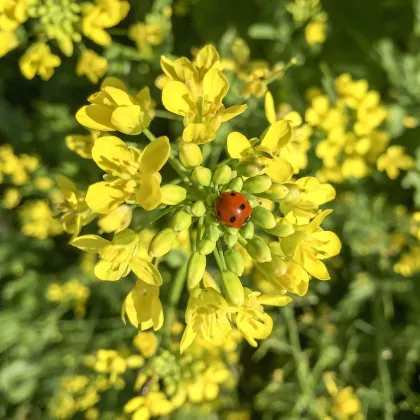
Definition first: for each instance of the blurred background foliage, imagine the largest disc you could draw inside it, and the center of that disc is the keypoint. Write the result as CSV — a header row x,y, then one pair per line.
x,y
350,348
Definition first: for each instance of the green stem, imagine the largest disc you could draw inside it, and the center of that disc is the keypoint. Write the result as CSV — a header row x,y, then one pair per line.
x,y
384,374
160,113
222,258
301,363
176,165
281,72
174,297
218,260
158,216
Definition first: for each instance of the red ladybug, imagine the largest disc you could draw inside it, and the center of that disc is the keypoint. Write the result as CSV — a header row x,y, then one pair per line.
x,y
233,209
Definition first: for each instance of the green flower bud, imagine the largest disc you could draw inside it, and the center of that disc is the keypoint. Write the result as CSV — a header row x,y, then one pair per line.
x,y
263,217
258,184
181,221
172,194
276,192
195,269
222,175
213,233
230,240
162,243
234,261
250,166
231,230
233,288
190,155
202,175
236,184
247,231
198,209
282,229
206,247
258,250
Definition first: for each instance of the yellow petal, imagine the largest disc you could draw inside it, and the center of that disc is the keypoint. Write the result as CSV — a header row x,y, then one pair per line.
x,y
146,271
90,243
119,96
279,170
155,155
294,118
331,244
274,300
199,133
207,57
129,309
168,67
172,194
95,117
130,119
114,82
237,143
176,98
315,267
277,136
148,195
232,112
109,271
215,86
270,111
188,337
110,153
103,199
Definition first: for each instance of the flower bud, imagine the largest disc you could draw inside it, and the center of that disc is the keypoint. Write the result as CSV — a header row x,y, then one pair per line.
x,y
212,233
222,175
236,184
202,175
230,240
190,155
181,221
195,269
250,166
247,231
206,247
162,243
282,229
172,194
234,261
258,184
258,250
263,217
233,288
276,192
198,209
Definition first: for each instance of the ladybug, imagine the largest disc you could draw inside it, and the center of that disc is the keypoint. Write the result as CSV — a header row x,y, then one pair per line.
x,y
233,209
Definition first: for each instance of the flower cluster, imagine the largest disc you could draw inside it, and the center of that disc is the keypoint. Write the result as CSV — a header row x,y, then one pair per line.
x,y
351,140
246,210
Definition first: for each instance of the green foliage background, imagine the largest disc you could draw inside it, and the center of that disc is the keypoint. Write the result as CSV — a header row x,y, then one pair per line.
x,y
375,313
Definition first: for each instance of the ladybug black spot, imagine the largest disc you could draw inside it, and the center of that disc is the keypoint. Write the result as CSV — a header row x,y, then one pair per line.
x,y
232,219
232,194
242,206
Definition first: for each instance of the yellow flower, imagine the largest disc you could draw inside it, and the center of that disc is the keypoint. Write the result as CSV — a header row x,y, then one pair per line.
x,y
113,108
394,160
146,343
91,65
196,92
82,144
117,220
153,404
251,319
131,173
207,315
119,257
38,59
103,15
147,35
264,156
12,14
75,212
11,198
142,306
8,42
315,32
310,244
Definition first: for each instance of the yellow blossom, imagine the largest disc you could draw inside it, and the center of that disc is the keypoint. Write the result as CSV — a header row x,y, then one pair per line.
x,y
12,14
315,32
117,220
82,144
8,42
153,404
91,65
11,198
119,257
147,35
131,174
102,15
38,59
146,343
113,108
394,160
